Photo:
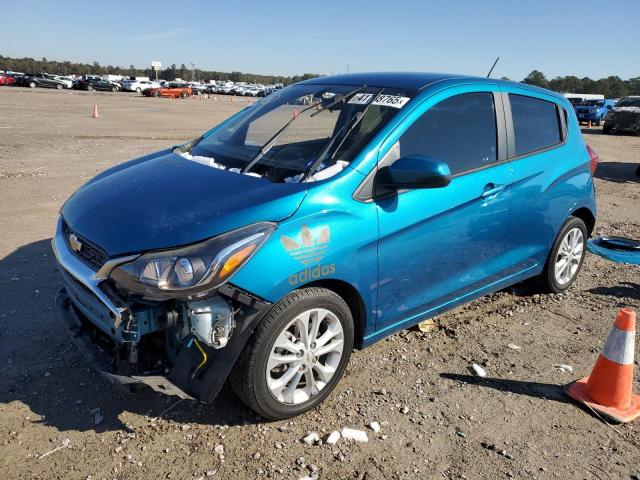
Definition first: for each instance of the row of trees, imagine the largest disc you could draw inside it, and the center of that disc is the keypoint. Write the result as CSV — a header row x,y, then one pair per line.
x,y
610,87
30,65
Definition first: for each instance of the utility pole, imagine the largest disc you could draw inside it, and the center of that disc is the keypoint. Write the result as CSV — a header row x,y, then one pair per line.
x,y
193,72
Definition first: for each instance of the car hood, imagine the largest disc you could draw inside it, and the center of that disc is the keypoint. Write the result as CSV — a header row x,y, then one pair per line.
x,y
626,109
164,200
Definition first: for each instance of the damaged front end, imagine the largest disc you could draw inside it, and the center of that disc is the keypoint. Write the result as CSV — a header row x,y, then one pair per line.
x,y
183,345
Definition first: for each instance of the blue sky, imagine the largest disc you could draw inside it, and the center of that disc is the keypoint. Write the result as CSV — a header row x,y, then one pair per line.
x,y
560,37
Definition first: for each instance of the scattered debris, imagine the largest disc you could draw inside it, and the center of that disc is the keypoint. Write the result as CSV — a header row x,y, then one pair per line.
x,y
563,368
311,439
352,434
375,426
65,443
513,346
478,370
427,325
333,438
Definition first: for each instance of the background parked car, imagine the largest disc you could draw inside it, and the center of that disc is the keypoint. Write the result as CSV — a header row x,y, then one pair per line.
x,y
41,80
138,85
68,82
594,110
91,84
173,90
624,116
7,79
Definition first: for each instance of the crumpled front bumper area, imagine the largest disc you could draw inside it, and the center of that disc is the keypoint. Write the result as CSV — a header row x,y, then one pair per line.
x,y
82,334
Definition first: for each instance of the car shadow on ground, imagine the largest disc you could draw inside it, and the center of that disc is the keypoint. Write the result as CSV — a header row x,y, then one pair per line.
x,y
547,391
618,172
625,290
40,367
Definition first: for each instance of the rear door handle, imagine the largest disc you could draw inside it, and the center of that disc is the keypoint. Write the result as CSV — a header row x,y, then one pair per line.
x,y
491,190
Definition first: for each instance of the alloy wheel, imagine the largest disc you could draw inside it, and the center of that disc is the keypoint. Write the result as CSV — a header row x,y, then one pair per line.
x,y
305,356
569,256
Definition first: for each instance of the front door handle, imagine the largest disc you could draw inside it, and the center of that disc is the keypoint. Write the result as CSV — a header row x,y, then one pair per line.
x,y
491,190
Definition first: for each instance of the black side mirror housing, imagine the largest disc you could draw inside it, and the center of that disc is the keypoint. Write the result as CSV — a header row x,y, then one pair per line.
x,y
413,172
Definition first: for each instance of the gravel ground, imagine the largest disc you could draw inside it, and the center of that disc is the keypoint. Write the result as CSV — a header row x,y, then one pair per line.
x,y
437,420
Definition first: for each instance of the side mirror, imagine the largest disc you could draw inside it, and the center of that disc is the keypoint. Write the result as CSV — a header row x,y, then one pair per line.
x,y
415,172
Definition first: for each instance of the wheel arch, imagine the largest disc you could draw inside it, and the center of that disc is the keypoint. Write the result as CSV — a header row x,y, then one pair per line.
x,y
587,217
354,301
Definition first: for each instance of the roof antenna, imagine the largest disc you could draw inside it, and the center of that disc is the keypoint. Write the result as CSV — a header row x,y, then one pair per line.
x,y
492,67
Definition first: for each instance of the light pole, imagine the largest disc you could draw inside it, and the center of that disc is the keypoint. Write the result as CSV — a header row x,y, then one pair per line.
x,y
193,72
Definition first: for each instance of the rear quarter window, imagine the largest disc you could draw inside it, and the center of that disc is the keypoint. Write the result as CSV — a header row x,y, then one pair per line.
x,y
536,124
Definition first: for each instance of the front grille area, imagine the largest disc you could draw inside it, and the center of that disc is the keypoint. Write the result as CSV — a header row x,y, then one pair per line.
x,y
90,253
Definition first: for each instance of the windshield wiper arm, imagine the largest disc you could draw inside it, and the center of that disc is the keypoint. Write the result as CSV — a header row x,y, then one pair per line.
x,y
358,119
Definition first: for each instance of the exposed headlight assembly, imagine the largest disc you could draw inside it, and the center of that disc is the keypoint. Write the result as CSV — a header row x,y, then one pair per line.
x,y
192,271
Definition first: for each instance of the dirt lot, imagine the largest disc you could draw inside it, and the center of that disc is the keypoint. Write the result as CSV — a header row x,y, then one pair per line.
x,y
438,420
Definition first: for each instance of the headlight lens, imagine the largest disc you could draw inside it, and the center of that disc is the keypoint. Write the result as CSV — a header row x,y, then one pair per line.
x,y
192,271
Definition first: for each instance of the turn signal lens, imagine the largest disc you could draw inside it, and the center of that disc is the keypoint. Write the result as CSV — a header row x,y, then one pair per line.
x,y
235,260
593,159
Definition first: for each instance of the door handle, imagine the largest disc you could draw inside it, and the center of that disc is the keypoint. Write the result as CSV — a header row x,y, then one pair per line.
x,y
491,190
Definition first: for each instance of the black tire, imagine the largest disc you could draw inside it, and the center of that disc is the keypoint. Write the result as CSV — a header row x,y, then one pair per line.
x,y
156,93
606,129
598,123
248,378
139,90
546,281
184,95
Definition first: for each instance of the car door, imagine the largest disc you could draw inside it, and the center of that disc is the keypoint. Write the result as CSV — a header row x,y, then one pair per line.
x,y
441,245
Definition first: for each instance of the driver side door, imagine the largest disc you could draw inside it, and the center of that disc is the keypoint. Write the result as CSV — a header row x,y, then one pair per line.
x,y
438,246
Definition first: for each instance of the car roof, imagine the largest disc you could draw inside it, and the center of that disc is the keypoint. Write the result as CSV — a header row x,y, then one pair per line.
x,y
413,80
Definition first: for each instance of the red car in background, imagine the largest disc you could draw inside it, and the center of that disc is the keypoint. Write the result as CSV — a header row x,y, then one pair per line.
x,y
173,90
7,79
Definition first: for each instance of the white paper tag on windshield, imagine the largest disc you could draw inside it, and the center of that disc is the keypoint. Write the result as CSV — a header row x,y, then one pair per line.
x,y
395,101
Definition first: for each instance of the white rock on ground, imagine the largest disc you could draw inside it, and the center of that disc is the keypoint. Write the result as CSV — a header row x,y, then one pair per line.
x,y
311,439
352,434
563,368
375,426
333,438
478,370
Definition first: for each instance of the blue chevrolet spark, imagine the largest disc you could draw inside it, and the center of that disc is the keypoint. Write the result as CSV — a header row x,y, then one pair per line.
x,y
324,217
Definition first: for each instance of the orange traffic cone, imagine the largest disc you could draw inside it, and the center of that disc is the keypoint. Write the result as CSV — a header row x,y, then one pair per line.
x,y
609,390
95,113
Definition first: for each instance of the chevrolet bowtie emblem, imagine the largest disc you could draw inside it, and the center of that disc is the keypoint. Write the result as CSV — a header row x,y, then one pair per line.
x,y
74,243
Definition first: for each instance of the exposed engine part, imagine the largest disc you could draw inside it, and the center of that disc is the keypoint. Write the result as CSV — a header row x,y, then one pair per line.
x,y
212,321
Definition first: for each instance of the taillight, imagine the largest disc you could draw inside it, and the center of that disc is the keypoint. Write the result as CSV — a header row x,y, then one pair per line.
x,y
593,159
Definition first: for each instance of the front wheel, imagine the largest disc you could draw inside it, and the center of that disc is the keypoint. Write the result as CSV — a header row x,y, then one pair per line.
x,y
566,257
90,88
32,84
59,86
297,354
184,95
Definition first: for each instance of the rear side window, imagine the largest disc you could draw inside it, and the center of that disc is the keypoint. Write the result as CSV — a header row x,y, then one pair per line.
x,y
536,123
460,131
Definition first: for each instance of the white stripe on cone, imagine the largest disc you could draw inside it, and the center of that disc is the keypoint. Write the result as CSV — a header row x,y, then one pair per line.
x,y
619,346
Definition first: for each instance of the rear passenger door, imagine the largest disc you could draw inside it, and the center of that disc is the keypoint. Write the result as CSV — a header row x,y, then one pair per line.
x,y
439,245
536,132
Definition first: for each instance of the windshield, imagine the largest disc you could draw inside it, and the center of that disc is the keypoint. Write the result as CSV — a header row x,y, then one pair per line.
x,y
295,133
593,103
629,102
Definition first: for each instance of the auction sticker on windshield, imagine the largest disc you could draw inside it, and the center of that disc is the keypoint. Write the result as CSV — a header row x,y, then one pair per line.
x,y
395,101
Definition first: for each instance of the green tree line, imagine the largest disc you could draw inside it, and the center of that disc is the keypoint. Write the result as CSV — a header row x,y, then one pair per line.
x,y
610,87
30,65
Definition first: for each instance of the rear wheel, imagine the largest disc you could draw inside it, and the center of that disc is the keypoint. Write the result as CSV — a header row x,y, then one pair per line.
x,y
184,95
566,257
114,89
139,90
32,84
156,93
297,354
90,88
59,86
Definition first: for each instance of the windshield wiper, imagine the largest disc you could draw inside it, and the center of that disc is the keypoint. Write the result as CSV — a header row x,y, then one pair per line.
x,y
269,143
358,119
341,98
